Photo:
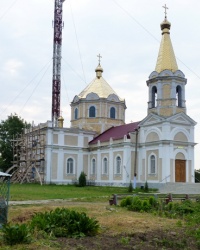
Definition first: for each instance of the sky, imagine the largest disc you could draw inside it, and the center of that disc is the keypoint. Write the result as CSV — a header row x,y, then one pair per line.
x,y
125,32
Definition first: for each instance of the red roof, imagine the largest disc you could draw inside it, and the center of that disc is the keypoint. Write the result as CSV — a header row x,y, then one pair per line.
x,y
116,133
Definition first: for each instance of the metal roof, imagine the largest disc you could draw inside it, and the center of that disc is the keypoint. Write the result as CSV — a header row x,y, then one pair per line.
x,y
4,174
116,133
166,57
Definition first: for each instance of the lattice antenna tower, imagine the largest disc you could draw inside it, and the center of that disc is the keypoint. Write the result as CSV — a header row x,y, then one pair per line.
x,y
57,45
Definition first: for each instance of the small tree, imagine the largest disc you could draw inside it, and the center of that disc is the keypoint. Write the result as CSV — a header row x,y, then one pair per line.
x,y
197,175
10,129
82,179
130,188
146,187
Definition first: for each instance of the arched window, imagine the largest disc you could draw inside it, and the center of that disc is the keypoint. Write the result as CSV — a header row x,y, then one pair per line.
x,y
105,166
112,113
92,111
152,164
76,114
179,96
70,166
154,96
118,165
93,169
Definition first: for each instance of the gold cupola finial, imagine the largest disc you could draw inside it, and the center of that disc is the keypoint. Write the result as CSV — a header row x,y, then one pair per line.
x,y
166,57
99,69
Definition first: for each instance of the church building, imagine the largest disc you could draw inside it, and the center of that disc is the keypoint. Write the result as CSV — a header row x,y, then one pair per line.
x,y
157,149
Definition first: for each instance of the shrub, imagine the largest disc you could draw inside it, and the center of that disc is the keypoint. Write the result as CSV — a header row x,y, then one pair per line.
x,y
126,201
146,206
63,222
146,187
186,207
153,202
130,188
82,179
136,204
16,234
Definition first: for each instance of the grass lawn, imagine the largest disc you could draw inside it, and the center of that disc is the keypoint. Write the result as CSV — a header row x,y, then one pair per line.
x,y
119,228
20,192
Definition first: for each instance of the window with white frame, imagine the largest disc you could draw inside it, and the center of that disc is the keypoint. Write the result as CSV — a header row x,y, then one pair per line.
x,y
118,165
152,164
93,167
105,166
70,166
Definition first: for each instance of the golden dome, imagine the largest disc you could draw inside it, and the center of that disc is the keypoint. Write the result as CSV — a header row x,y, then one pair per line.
x,y
98,86
166,57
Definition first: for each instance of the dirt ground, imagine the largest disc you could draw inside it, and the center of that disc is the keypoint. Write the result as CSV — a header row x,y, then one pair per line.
x,y
120,229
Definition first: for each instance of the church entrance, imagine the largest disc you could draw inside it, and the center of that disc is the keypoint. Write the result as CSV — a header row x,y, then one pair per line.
x,y
180,171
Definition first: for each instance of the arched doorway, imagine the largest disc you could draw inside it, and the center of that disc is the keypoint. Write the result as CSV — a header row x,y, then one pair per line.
x,y
180,168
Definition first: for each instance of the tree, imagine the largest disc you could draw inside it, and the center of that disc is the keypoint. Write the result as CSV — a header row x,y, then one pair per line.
x,y
10,128
197,175
82,180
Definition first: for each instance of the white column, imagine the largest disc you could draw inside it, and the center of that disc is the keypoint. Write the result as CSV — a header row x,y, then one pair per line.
x,y
111,166
98,165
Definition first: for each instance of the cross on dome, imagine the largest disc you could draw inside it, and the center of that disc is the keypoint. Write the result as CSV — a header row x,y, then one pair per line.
x,y
99,56
166,8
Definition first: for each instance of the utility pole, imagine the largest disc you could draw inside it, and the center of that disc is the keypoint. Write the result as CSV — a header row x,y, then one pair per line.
x,y
135,162
57,45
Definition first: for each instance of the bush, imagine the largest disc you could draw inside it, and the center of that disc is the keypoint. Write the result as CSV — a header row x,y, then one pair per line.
x,y
64,222
146,187
136,204
126,202
153,202
146,206
130,188
16,234
82,179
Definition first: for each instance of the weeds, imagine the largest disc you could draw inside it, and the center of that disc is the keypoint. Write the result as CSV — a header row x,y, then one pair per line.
x,y
60,222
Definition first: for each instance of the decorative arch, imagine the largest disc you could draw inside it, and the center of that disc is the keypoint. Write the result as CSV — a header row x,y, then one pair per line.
x,y
180,136
178,130
180,152
113,97
180,156
92,96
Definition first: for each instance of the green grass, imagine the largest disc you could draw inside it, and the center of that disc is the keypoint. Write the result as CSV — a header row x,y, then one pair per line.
x,y
20,192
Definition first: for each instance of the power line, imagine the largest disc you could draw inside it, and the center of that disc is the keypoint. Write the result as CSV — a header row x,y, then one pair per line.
x,y
77,43
15,98
35,88
73,70
136,21
6,11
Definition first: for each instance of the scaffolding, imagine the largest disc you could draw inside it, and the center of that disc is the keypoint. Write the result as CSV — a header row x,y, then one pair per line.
x,y
4,197
29,156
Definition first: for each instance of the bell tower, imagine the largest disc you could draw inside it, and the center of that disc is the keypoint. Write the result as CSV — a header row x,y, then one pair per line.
x,y
167,83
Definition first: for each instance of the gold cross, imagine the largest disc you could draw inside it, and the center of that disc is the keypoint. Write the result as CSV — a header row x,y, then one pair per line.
x,y
166,8
99,56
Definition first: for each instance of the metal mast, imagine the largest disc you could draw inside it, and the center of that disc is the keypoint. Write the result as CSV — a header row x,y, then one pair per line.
x,y
57,45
